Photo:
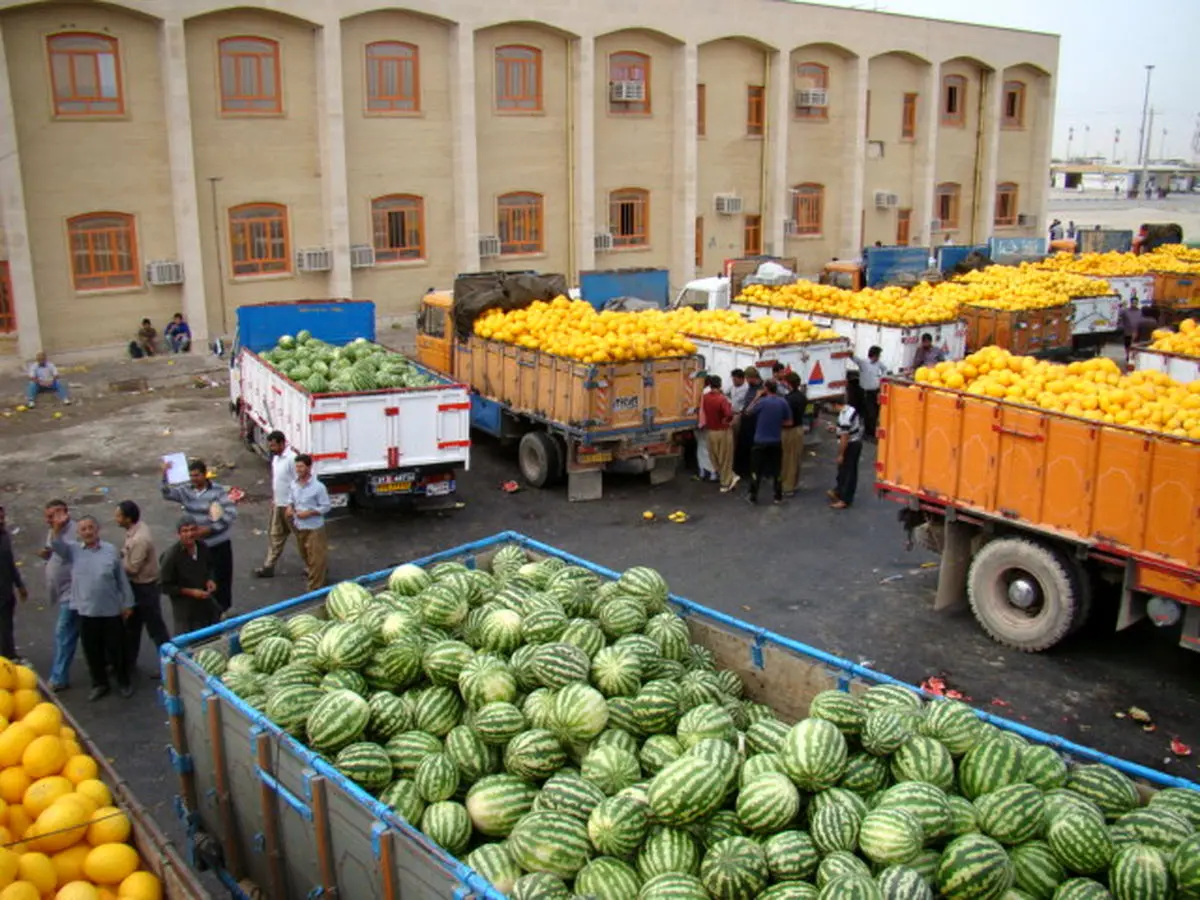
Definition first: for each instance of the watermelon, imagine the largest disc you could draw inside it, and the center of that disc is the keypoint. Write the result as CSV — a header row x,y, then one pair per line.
x,y
902,883
241,663
1036,870
922,758
617,672
926,802
988,766
973,867
579,712
396,666
760,764
617,826
955,724
791,856
346,600
471,756
436,778
1159,827
345,680
290,706
673,887
551,842
1060,801
768,804
448,825
615,737
1080,842
539,886
883,696
611,769
866,774
401,795
500,631
569,793
884,731
622,616
671,635
444,661
1185,866
407,749
724,823
606,878
790,890
294,673
963,816
338,719
837,797
1109,789
498,723
496,803
814,754
211,660
535,754
495,863
705,722
735,869
366,764
686,791
390,715
437,710
645,585
841,708
444,605
890,837
1082,889
668,851
408,580
493,684
656,709
657,751
585,635
834,827
257,630
559,663
538,708
1012,814
849,887
1140,872
840,864
344,645
541,626
766,736
1043,767
1186,802
620,715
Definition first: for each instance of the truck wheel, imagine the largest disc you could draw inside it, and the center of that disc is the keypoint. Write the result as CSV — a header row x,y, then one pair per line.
x,y
538,458
1023,594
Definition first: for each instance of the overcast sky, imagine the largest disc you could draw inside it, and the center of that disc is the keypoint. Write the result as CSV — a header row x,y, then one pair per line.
x,y
1105,47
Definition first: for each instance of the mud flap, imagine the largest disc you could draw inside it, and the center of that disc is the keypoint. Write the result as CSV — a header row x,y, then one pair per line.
x,y
664,469
956,562
585,485
1133,604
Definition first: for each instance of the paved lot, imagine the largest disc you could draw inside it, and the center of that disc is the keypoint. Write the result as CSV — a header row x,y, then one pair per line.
x,y
1092,208
838,581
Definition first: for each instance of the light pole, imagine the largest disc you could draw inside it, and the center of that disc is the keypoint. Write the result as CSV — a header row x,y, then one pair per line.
x,y
1116,140
1162,147
1070,138
1143,148
1087,134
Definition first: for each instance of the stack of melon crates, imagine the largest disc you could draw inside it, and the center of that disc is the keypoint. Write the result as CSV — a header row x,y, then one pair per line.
x,y
552,726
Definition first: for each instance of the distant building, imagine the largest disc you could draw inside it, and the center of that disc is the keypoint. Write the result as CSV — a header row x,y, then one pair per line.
x,y
1176,176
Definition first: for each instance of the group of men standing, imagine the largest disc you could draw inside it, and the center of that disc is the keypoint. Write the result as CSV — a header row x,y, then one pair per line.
x,y
106,596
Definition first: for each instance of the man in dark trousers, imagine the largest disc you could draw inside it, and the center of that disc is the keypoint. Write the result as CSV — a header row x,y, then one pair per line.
x,y
187,578
11,587
870,373
793,435
850,437
141,565
771,416
743,419
213,514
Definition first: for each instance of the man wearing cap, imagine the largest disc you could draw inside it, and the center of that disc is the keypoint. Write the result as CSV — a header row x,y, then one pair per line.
x,y
141,565
188,580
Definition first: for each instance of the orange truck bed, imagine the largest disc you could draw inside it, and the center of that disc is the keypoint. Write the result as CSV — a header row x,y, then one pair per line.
x,y
1118,493
1176,290
1023,331
597,401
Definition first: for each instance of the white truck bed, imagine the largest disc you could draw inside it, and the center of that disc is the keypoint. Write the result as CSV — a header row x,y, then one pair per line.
x,y
821,365
348,434
1127,285
899,343
1095,315
1183,369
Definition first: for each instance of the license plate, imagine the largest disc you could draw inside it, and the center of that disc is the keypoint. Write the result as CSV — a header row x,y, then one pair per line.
x,y
439,488
337,501
393,487
595,457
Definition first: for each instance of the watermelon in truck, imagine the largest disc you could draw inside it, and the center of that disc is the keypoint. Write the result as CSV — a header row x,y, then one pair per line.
x,y
371,448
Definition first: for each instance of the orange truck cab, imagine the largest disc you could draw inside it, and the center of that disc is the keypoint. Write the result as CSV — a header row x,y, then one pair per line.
x,y
571,420
844,273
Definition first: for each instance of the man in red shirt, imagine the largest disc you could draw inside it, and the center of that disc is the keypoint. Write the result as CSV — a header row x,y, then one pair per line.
x,y
718,420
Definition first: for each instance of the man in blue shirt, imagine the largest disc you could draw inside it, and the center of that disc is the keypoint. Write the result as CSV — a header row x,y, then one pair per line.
x,y
771,414
308,505
178,334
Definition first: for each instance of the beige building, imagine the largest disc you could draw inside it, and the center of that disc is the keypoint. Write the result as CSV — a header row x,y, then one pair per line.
x,y
162,156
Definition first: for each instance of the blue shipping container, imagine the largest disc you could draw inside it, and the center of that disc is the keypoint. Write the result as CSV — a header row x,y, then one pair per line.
x,y
599,286
885,263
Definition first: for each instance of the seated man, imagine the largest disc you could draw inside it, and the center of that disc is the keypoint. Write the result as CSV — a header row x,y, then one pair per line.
x,y
43,379
144,343
178,334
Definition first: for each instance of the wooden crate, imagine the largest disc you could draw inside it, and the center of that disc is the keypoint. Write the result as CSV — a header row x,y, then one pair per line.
x,y
1021,331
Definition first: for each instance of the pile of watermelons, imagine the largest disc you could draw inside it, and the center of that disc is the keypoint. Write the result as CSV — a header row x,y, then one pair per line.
x,y
355,367
565,737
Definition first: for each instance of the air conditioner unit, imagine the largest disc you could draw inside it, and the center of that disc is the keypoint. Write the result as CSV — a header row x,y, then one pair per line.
x,y
886,200
314,259
164,271
489,246
1025,220
604,242
362,256
790,226
728,204
935,225
628,91
812,97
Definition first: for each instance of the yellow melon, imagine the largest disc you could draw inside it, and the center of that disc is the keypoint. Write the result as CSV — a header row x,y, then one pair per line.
x,y
68,864
67,733
8,674
110,863
9,865
13,741
60,826
45,718
96,789
83,801
77,890
26,678
38,870
18,821
44,756
108,826
22,890
141,886
43,792
80,767
7,704
104,892
24,700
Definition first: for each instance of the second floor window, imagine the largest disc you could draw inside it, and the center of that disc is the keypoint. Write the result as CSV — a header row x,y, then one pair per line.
x,y
908,118
250,76
629,83
398,227
520,224
629,217
1013,113
85,74
1006,204
756,118
519,79
954,100
812,91
808,209
948,196
393,77
258,239
103,251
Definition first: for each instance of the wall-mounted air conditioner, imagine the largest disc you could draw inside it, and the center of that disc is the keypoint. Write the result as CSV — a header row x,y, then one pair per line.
x,y
314,259
362,256
162,272
728,204
489,246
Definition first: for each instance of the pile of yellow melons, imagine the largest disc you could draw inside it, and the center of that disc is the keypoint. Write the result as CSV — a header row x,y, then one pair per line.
x,y
890,305
1185,341
61,837
1095,389
1025,287
573,329
727,325
1174,258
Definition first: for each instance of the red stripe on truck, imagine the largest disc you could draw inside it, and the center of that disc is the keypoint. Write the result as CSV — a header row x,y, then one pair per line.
x,y
445,445
447,407
326,417
317,457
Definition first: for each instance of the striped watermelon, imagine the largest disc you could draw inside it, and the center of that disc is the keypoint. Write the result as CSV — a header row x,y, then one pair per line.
x,y
686,791
500,631
396,666
1082,889
645,647
538,708
496,864
731,683
241,663
621,616
700,657
344,645
1060,801
339,718
705,722
837,797
401,795
507,560
668,851
294,673
882,696
470,754
346,600
448,825
925,801
551,842
849,887
257,630
346,680
1159,827
814,754
606,878
884,731
1043,767
657,751
443,662
791,856
541,626
700,686
724,823
1109,789
615,737
841,708
1185,866
211,660
611,769
579,712
1140,872
569,793
724,756
408,580
535,754
973,867
656,709
834,827
399,624
436,778
671,635
407,749
617,826
790,890
953,723
289,707
989,766
1080,842
760,764
890,837
498,723
735,869
903,883
645,585
496,803
301,624
768,804
1182,801
443,605
673,887
437,710
493,684
390,715
1036,870
840,864
766,736
620,715
366,764
1012,814
272,654
560,663
865,774
926,864
539,886
521,664
923,758
584,634
616,672
964,818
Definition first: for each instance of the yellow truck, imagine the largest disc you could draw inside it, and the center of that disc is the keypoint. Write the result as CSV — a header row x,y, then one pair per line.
x,y
569,418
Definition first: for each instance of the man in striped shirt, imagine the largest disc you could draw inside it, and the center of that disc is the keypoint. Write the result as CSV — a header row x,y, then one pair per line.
x,y
850,437
209,506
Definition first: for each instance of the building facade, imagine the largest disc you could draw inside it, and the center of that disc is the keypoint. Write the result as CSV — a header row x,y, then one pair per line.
x,y
162,156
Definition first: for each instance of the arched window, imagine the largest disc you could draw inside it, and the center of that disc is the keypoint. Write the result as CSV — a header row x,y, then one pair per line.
x,y
808,208
1013,113
812,91
948,198
103,251
85,73
393,77
398,227
250,76
258,239
629,83
629,217
520,224
954,101
1007,195
519,79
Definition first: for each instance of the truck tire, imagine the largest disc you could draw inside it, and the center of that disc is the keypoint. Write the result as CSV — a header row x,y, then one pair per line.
x,y
538,458
1024,594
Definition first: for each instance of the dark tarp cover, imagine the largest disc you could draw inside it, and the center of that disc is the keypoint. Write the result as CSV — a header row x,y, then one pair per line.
x,y
474,294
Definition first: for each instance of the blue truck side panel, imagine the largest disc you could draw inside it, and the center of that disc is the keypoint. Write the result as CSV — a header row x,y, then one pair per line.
x,y
333,321
951,256
600,286
1017,247
885,263
487,415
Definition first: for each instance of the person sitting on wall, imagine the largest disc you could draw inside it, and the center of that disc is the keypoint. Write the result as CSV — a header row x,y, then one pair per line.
x,y
43,379
144,343
178,334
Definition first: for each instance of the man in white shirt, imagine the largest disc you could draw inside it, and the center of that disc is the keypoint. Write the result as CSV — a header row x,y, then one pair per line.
x,y
283,473
870,372
43,379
